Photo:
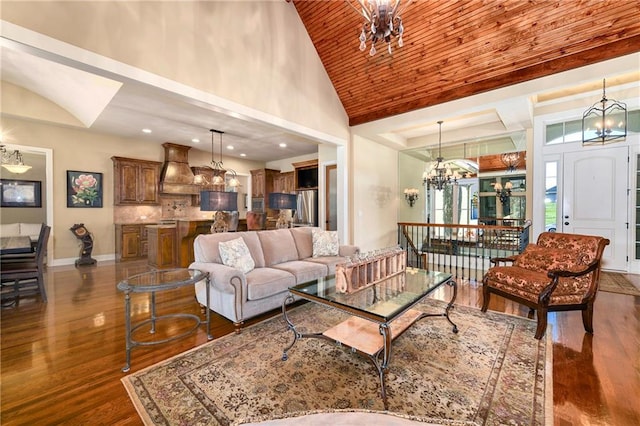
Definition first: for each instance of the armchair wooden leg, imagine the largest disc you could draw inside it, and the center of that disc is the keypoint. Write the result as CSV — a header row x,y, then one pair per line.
x,y
542,322
485,298
587,318
238,326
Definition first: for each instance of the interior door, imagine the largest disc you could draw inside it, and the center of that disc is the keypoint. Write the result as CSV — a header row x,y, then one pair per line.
x,y
331,197
595,197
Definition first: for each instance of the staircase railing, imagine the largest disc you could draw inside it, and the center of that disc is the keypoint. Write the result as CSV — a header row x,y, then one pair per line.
x,y
461,250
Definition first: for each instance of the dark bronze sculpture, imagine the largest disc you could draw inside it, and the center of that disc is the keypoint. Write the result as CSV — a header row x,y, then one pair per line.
x,y
86,238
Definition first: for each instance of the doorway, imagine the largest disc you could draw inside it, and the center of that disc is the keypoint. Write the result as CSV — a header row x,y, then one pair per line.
x,y
595,199
331,197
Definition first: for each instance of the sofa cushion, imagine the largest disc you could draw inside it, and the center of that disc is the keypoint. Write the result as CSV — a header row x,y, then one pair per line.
x,y
235,253
329,261
206,246
10,229
265,282
528,284
304,241
278,246
303,271
325,243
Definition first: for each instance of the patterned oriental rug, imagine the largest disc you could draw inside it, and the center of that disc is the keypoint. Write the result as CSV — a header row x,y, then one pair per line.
x,y
617,283
493,372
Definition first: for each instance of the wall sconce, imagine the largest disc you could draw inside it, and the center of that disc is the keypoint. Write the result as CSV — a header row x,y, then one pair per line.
x,y
411,195
503,193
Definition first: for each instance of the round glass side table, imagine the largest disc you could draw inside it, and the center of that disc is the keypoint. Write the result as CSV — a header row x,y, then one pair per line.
x,y
152,282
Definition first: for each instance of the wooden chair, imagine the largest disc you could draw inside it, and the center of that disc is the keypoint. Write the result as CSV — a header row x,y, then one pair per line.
x,y
256,221
27,277
560,272
25,257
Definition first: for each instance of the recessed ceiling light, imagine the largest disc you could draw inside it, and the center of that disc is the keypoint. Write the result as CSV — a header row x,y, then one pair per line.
x,y
195,140
146,130
283,145
230,147
243,155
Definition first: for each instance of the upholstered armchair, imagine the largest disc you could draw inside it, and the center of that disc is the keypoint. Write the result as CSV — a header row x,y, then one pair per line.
x,y
560,272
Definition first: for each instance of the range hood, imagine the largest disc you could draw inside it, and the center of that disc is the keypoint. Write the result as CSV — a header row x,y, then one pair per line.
x,y
176,177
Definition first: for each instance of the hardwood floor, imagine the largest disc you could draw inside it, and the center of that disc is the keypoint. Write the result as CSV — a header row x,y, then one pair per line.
x,y
61,361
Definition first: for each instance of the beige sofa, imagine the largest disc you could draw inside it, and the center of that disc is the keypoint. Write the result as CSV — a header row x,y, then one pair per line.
x,y
282,257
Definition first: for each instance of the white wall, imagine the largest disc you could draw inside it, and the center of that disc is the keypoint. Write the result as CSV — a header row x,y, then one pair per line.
x,y
410,171
375,201
286,165
253,53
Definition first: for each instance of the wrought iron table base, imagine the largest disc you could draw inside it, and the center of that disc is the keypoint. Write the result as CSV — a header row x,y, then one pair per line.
x,y
382,357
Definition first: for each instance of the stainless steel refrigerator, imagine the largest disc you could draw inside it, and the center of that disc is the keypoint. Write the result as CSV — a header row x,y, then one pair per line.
x,y
307,208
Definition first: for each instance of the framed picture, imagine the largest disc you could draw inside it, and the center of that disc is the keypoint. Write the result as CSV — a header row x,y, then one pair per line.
x,y
20,193
84,189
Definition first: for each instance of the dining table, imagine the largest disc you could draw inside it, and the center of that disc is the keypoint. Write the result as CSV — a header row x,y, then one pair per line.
x,y
15,245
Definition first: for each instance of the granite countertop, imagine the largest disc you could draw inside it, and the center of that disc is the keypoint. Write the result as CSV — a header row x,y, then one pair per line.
x,y
172,222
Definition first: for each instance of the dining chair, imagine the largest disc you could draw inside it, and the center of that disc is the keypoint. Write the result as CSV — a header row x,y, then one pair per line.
x,y
26,277
25,257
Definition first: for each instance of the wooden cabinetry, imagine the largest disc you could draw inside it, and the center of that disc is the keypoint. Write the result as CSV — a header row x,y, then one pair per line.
x,y
162,246
306,174
131,242
135,181
262,182
284,182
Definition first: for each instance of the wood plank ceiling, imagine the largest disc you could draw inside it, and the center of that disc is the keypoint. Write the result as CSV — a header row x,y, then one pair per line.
x,y
454,49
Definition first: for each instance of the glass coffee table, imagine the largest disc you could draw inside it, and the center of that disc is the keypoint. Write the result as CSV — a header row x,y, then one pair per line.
x,y
152,282
380,313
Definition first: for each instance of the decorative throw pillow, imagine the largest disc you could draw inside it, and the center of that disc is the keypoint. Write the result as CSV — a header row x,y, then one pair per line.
x,y
235,253
325,243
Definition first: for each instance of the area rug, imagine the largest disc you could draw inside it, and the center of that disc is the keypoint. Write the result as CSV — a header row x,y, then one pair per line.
x,y
617,283
492,372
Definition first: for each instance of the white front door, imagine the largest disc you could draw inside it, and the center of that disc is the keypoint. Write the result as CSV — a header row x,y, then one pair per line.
x,y
595,197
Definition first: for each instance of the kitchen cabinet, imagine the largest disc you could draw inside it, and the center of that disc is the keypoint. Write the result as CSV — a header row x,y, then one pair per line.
x,y
131,242
135,181
162,246
186,233
284,182
262,182
306,174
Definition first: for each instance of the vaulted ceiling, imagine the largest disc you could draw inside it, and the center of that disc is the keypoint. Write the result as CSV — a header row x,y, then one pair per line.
x,y
454,49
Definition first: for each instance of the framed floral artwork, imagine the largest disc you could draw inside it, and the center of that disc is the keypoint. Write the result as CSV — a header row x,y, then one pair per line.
x,y
84,189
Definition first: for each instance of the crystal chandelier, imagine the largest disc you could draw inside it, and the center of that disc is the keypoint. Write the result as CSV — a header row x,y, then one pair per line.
x,y
441,174
382,22
218,167
13,161
604,123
